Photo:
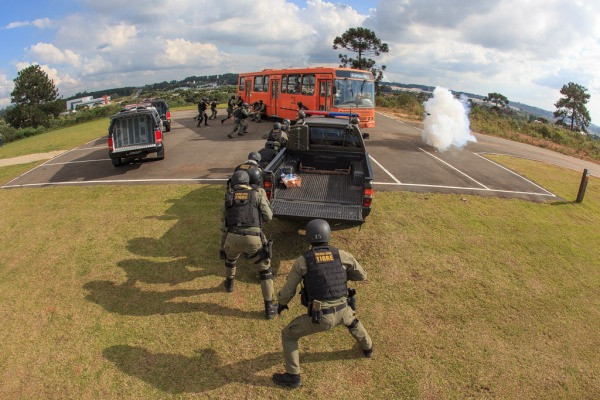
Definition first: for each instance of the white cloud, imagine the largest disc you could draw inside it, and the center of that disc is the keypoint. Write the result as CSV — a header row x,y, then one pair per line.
x,y
49,53
185,53
41,23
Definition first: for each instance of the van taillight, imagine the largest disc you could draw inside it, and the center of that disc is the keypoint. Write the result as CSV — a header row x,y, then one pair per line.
x,y
158,136
111,147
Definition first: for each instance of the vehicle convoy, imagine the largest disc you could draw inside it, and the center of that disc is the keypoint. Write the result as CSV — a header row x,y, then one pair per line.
x,y
135,132
162,107
324,172
284,91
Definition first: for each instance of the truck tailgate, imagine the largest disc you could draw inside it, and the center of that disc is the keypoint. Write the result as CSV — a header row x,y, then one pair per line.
x,y
287,208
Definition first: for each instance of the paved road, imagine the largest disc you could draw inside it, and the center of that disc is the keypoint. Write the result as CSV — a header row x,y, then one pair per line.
x,y
400,160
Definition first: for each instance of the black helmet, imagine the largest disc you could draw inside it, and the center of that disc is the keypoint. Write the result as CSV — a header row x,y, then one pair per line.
x,y
233,97
240,178
245,105
286,122
318,231
254,156
301,114
270,144
277,126
255,176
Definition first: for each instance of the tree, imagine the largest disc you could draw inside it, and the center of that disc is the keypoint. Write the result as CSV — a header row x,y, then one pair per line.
x,y
364,42
572,107
500,101
35,99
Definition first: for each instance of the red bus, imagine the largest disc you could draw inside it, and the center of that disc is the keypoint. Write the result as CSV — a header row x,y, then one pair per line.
x,y
319,89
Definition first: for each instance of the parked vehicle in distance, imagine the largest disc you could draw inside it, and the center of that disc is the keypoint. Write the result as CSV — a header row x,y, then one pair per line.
x,y
324,172
135,132
162,107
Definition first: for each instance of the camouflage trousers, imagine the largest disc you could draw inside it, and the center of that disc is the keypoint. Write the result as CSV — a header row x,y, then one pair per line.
x,y
303,326
235,245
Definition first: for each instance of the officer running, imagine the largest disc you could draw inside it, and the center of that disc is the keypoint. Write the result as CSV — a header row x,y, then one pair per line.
x,y
244,211
324,270
230,107
241,124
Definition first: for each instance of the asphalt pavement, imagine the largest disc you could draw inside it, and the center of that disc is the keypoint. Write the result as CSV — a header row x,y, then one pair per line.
x,y
400,160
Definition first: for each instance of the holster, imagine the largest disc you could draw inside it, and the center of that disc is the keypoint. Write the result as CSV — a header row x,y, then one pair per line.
x,y
351,299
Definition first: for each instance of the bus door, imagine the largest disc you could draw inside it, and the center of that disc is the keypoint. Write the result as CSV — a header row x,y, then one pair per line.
x,y
324,95
275,92
248,89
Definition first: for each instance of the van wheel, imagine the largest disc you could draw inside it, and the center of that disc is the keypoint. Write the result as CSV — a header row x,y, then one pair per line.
x,y
116,161
160,154
168,127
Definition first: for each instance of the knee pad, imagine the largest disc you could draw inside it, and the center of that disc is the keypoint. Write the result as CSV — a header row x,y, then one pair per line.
x,y
353,324
266,275
229,263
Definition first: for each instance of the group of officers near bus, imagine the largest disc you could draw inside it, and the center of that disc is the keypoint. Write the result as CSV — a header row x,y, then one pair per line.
x,y
322,271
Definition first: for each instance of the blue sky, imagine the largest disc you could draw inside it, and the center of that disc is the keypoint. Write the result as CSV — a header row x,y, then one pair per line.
x,y
525,50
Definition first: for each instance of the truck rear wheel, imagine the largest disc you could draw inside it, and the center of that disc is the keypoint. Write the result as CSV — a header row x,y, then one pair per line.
x,y
168,127
160,154
116,161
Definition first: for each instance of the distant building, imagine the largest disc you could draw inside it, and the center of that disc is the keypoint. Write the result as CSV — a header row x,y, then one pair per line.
x,y
89,101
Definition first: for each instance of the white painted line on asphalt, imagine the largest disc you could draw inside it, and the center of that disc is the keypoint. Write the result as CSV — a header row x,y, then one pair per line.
x,y
514,173
33,169
78,162
385,170
454,168
196,180
465,188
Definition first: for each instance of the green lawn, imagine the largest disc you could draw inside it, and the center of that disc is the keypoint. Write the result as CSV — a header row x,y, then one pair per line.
x,y
116,292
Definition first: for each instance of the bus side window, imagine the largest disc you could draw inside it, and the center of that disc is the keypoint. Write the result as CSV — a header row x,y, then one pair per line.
x,y
284,79
308,85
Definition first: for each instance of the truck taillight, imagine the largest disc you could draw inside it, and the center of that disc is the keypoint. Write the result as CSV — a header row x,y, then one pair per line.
x,y
168,115
111,147
158,136
268,185
367,197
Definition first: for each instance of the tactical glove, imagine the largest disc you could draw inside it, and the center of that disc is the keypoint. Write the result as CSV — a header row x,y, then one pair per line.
x,y
281,307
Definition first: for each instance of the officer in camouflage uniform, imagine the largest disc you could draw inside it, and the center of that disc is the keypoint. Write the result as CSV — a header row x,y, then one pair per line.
x,y
277,134
324,270
253,160
244,211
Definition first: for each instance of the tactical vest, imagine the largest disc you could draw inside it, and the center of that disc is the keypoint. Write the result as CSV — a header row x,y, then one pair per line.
x,y
325,278
274,136
242,209
246,166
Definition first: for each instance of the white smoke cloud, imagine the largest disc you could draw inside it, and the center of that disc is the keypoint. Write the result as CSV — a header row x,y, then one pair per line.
x,y
447,121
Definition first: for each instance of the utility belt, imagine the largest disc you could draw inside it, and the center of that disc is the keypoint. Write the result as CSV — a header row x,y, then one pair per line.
x,y
243,232
316,312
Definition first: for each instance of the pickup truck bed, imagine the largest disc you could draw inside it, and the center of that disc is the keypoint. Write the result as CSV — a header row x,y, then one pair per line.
x,y
332,185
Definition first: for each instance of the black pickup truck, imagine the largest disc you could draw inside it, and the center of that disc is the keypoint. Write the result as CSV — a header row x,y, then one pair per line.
x,y
329,157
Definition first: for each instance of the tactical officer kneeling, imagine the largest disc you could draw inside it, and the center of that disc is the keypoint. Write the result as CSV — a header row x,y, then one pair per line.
x,y
244,211
325,271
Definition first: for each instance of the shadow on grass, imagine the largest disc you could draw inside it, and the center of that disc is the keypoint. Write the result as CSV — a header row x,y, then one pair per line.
x,y
175,373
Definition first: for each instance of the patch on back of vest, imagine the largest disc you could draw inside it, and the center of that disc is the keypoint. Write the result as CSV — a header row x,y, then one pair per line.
x,y
323,256
243,196
245,166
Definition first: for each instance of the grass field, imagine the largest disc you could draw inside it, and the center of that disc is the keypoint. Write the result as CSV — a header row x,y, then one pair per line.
x,y
116,292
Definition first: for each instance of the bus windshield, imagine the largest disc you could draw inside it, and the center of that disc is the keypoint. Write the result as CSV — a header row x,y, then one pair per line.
x,y
353,93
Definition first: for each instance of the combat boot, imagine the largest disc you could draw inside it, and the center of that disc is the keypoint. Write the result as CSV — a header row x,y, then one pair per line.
x,y
270,309
369,352
289,380
229,284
